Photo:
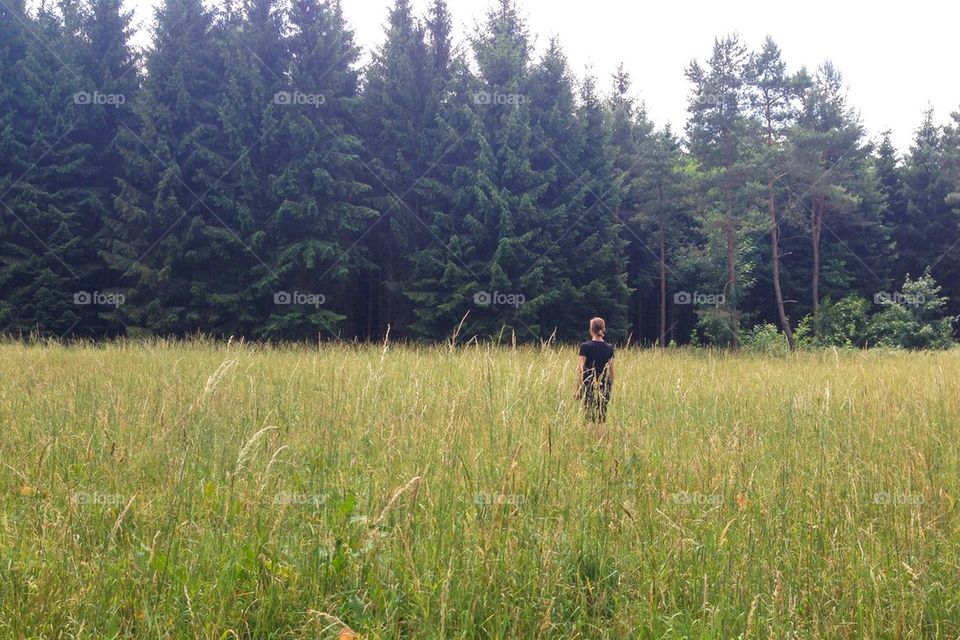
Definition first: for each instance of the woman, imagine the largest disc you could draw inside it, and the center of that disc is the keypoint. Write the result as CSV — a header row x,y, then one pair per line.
x,y
595,372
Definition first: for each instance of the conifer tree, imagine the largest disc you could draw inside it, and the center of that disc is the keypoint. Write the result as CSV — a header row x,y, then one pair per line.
x,y
310,239
827,163
719,137
47,256
158,238
401,103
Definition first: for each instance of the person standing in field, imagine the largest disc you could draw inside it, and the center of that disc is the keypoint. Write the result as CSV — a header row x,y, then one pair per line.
x,y
595,372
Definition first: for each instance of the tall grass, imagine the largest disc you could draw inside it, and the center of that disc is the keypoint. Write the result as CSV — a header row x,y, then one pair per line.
x,y
218,491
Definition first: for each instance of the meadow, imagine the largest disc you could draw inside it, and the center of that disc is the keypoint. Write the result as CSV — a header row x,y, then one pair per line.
x,y
197,489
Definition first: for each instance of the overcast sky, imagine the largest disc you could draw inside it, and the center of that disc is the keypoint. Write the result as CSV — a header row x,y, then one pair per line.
x,y
896,58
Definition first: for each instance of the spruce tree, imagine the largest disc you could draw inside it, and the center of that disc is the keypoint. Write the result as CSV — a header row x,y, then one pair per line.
x,y
401,103
158,237
509,294
100,42
444,279
594,242
239,169
557,139
47,258
311,237
929,237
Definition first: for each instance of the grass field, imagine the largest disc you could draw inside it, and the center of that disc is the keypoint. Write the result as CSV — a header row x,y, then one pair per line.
x,y
230,491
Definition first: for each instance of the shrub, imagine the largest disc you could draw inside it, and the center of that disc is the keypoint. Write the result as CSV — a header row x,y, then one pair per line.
x,y
913,318
766,339
713,327
836,324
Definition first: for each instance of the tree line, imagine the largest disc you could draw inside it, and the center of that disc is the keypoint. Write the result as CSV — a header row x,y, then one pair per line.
x,y
246,176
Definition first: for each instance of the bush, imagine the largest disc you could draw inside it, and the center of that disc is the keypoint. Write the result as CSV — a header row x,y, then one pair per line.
x,y
713,327
836,324
913,318
765,338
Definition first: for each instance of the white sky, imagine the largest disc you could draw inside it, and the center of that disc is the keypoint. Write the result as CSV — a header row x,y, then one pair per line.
x,y
896,57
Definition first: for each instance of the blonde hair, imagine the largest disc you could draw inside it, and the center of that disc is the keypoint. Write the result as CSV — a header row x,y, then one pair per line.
x,y
597,326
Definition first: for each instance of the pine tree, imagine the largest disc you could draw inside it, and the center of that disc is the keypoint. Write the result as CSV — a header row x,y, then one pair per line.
x,y
652,207
774,101
400,109
827,164
666,207
718,133
158,238
311,236
47,258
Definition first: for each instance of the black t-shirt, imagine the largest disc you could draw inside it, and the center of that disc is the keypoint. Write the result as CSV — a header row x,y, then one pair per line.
x,y
598,355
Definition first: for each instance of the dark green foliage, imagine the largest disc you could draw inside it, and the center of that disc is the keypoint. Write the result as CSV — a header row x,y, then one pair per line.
x,y
836,324
913,318
158,240
247,178
316,214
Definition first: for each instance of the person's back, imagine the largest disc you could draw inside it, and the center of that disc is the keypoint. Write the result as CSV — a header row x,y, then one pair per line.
x,y
598,354
595,370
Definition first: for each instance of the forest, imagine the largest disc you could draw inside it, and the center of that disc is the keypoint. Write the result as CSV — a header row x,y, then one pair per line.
x,y
247,176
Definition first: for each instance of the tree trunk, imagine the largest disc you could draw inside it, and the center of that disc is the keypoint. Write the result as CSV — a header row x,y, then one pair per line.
x,y
662,330
816,231
775,262
730,234
775,232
